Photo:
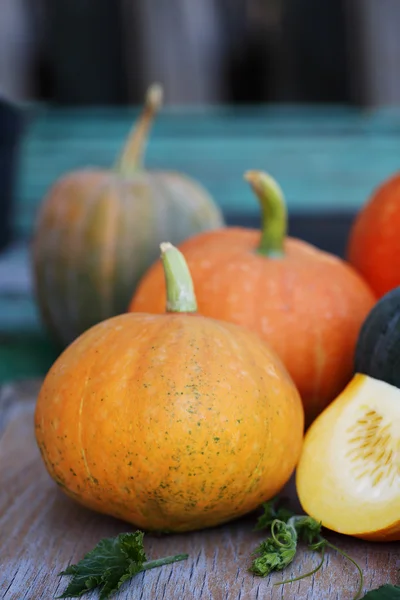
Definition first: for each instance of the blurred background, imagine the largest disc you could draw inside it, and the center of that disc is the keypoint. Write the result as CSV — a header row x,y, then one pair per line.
x,y
306,89
73,73
213,51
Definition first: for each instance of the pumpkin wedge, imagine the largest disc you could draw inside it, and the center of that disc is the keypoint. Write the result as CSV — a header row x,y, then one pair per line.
x,y
348,476
171,422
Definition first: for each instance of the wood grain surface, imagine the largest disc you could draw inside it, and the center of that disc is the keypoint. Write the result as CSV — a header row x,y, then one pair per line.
x,y
42,531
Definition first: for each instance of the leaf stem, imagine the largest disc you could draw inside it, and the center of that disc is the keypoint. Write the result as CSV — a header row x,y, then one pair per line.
x,y
167,560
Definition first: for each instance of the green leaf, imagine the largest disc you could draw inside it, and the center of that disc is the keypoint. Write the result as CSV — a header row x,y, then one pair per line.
x,y
112,562
385,592
308,529
277,551
272,512
272,558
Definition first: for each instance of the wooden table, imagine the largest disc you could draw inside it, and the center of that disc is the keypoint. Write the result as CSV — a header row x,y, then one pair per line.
x,y
42,531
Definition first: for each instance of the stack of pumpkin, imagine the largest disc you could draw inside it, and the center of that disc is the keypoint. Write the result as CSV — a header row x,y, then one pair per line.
x,y
194,385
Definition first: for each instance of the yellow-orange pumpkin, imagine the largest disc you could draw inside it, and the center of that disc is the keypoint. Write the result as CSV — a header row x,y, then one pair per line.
x,y
98,230
171,422
308,304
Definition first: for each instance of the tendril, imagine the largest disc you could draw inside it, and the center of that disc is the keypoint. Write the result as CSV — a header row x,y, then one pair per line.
x,y
309,574
284,534
357,566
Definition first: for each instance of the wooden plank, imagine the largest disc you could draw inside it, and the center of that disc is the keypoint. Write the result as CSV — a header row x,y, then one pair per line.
x,y
325,160
250,120
317,175
42,531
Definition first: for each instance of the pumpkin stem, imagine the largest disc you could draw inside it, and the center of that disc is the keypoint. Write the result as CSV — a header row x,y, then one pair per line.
x,y
131,158
178,280
273,211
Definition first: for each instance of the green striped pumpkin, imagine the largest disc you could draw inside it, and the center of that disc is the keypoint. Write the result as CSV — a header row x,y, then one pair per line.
x,y
98,231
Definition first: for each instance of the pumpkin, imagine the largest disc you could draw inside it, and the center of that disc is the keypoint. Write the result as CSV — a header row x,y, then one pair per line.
x,y
378,346
307,304
374,239
98,230
171,422
348,476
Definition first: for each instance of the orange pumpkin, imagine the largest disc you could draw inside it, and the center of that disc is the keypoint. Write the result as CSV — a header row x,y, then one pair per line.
x,y
374,240
171,422
308,304
98,230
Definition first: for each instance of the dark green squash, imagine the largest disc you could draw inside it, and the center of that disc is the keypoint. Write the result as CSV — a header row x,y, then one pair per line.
x,y
378,347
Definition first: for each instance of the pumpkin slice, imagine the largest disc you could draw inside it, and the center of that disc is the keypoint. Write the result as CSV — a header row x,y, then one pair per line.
x,y
348,476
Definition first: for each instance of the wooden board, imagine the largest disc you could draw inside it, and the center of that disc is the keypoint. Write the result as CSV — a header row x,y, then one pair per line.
x,y
42,531
327,160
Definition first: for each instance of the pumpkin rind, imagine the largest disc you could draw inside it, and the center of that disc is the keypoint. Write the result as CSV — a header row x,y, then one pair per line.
x,y
374,239
172,422
307,304
378,346
97,232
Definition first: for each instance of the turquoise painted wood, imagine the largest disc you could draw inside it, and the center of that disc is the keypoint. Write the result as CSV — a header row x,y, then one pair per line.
x,y
327,159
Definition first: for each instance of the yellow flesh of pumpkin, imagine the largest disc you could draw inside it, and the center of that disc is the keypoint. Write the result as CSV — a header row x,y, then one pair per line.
x,y
348,476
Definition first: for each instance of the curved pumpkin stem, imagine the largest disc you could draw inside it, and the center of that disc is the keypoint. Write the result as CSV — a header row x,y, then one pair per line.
x,y
178,280
273,211
131,159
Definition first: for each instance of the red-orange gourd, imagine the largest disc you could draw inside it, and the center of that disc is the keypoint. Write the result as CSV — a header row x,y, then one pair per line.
x,y
307,304
374,240
171,422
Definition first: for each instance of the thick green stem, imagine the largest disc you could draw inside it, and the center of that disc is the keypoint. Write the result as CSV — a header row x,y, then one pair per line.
x,y
180,292
273,213
131,158
160,562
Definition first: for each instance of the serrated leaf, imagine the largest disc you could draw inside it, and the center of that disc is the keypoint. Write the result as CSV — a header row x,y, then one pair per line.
x,y
271,513
108,565
308,529
385,592
112,562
